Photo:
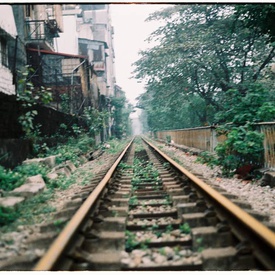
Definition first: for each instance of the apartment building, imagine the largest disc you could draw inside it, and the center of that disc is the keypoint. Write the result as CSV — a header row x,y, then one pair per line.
x,y
8,34
69,48
88,32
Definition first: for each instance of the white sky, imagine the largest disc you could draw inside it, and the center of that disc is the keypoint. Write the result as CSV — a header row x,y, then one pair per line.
x,y
130,31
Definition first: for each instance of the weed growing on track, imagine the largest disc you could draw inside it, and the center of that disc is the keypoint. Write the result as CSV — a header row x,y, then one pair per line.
x,y
132,243
185,228
124,166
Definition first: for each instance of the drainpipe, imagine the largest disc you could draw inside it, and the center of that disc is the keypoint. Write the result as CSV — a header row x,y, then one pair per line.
x,y
72,82
14,79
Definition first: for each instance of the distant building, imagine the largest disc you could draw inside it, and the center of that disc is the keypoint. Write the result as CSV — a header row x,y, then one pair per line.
x,y
119,92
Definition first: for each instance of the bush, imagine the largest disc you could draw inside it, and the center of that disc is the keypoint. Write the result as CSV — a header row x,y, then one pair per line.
x,y
243,146
7,215
10,180
208,158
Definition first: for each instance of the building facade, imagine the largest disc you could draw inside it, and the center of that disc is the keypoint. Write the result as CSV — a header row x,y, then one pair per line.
x,y
69,48
88,32
8,34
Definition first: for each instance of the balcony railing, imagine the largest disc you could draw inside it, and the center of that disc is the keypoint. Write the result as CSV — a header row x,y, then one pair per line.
x,y
41,31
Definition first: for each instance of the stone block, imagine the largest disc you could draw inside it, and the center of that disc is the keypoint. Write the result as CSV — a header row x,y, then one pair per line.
x,y
52,176
218,259
31,187
10,201
48,161
29,161
209,237
268,179
65,171
71,166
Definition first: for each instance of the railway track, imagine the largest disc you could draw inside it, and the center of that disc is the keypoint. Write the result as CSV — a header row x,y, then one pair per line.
x,y
149,213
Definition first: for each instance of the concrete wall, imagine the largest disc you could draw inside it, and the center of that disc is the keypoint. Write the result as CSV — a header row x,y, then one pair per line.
x,y
6,85
68,40
7,22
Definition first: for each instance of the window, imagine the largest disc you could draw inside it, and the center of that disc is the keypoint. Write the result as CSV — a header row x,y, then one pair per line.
x,y
98,54
29,10
3,52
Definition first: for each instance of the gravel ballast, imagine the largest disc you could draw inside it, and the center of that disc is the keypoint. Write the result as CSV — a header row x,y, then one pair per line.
x,y
261,198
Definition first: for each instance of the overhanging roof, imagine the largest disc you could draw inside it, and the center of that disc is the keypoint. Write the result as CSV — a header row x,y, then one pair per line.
x,y
93,42
57,53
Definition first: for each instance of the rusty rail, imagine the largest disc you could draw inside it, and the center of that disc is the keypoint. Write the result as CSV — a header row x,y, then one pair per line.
x,y
54,253
263,238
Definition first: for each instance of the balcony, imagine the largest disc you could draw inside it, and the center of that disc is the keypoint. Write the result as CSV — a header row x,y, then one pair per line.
x,y
41,33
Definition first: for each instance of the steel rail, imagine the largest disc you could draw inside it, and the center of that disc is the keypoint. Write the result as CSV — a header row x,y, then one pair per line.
x,y
54,253
259,229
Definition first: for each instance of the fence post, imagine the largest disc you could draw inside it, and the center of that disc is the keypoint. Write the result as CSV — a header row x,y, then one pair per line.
x,y
213,139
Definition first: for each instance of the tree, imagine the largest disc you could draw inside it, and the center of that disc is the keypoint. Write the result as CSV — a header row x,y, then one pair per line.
x,y
120,114
203,52
258,16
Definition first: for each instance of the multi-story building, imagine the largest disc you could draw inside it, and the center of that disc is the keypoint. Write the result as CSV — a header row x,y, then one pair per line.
x,y
38,26
69,48
88,32
8,34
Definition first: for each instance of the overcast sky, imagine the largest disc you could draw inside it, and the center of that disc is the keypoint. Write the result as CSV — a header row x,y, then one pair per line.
x,y
130,31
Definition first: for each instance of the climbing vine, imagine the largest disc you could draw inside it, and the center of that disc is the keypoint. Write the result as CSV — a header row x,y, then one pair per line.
x,y
29,97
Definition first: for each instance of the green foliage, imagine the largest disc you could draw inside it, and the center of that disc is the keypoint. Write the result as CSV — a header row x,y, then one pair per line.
x,y
76,129
7,215
252,106
207,158
131,242
120,113
169,228
144,170
168,139
95,119
258,16
114,146
243,146
65,103
12,179
33,207
185,228
203,51
199,241
29,96
124,166
8,179
73,149
28,211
